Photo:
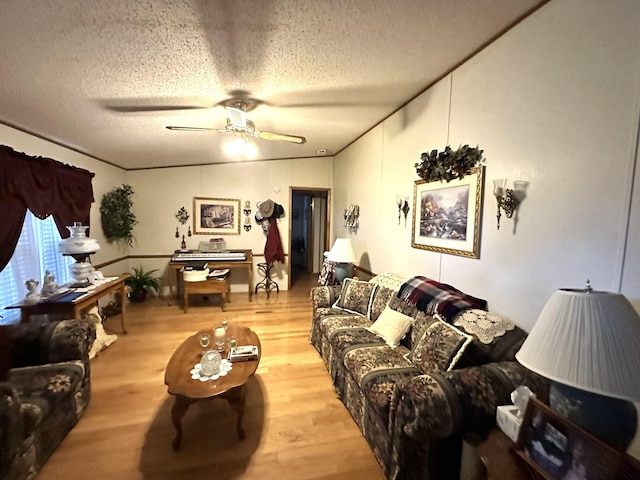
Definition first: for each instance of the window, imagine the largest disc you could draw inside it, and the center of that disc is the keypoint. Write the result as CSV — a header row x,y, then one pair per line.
x,y
37,251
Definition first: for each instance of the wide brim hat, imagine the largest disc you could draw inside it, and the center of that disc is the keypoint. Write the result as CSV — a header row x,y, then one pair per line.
x,y
266,208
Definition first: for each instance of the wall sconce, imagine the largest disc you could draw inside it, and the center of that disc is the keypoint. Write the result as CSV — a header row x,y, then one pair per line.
x,y
403,206
506,199
351,218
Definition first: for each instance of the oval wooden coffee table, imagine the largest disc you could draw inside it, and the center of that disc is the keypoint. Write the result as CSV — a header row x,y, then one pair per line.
x,y
186,390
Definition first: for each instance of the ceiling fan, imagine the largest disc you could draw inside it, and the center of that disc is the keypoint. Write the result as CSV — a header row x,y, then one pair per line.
x,y
239,125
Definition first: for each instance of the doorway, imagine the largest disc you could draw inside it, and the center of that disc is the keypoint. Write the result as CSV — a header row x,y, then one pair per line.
x,y
309,231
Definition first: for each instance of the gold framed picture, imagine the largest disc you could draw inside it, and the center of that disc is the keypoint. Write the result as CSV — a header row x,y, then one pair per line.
x,y
216,216
447,216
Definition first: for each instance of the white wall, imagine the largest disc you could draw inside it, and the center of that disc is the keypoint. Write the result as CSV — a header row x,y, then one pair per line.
x,y
160,193
554,102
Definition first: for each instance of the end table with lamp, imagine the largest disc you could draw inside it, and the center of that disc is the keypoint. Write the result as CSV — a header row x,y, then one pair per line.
x,y
587,343
342,255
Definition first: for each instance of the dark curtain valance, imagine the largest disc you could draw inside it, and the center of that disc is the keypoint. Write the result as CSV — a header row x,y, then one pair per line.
x,y
44,186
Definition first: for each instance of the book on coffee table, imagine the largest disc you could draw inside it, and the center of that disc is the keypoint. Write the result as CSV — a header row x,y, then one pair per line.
x,y
243,353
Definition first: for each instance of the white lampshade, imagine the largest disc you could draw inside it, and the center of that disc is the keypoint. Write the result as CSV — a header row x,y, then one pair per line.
x,y
342,251
588,340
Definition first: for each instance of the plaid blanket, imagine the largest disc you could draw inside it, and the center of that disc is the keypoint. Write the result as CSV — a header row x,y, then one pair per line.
x,y
431,297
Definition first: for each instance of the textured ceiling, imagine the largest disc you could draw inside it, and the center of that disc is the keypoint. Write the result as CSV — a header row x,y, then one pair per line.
x,y
106,77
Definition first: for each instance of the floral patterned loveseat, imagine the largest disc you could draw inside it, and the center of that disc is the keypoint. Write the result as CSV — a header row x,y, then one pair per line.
x,y
43,392
418,367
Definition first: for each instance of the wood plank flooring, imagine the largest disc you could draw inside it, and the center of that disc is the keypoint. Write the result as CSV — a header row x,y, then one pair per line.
x,y
296,428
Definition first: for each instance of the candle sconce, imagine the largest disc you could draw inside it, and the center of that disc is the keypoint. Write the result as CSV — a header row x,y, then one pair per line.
x,y
403,206
506,198
352,218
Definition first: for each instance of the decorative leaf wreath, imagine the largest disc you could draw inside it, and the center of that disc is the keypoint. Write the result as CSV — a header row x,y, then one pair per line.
x,y
116,217
448,164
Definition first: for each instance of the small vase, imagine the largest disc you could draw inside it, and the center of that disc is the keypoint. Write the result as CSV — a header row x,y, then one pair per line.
x,y
210,363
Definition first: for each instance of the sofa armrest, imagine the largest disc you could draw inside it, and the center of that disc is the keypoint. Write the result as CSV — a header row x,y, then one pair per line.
x,y
11,427
60,341
324,297
71,340
422,409
465,400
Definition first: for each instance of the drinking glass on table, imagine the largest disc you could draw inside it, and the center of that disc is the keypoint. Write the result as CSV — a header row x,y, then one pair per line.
x,y
220,336
204,341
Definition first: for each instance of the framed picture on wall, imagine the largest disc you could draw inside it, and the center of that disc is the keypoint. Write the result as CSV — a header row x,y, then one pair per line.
x,y
216,216
447,216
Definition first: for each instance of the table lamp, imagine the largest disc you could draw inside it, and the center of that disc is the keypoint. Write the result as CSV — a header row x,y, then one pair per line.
x,y
79,246
588,344
342,255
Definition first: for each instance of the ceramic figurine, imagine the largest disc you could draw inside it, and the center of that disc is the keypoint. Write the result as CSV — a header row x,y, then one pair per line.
x,y
32,287
49,286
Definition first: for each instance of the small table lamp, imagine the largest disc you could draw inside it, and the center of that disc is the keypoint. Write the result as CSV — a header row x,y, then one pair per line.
x,y
588,344
342,254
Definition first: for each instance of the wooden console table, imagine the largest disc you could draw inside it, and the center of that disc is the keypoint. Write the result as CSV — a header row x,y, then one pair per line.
x,y
175,269
74,308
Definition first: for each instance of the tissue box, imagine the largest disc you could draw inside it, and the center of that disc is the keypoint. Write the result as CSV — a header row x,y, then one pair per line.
x,y
508,420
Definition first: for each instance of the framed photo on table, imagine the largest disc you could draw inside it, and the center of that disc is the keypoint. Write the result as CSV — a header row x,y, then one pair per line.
x,y
216,216
447,215
555,448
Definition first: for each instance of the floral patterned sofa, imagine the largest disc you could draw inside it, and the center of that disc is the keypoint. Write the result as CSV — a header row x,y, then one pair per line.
x,y
419,365
44,389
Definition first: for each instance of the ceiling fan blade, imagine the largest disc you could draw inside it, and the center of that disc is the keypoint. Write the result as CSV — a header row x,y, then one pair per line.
x,y
237,117
152,108
195,129
280,137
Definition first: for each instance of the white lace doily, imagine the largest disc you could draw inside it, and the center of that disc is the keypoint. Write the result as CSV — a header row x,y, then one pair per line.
x,y
225,367
484,325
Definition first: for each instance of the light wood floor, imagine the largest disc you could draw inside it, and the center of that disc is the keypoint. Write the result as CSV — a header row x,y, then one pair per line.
x,y
295,426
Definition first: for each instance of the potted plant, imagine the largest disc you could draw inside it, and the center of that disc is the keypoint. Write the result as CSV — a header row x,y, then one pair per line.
x,y
140,282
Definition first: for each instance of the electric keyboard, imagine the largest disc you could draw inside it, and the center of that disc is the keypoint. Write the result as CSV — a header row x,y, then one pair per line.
x,y
208,256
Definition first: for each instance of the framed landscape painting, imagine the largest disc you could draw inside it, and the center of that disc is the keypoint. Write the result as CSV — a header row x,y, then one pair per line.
x,y
216,216
447,215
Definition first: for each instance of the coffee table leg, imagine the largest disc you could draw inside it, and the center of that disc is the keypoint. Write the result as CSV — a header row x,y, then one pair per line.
x,y
177,412
236,401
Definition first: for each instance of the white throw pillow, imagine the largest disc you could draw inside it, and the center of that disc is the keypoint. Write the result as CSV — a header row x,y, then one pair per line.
x,y
392,326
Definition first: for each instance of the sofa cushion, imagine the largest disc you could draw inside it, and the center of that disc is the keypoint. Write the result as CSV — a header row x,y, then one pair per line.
x,y
332,323
344,339
379,302
392,326
356,296
439,348
362,362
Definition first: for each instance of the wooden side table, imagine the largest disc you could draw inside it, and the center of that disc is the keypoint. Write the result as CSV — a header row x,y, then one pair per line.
x,y
73,308
499,460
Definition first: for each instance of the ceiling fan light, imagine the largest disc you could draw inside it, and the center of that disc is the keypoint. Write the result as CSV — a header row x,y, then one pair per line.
x,y
241,147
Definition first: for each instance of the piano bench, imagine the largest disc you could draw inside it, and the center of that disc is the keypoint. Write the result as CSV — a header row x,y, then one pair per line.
x,y
207,287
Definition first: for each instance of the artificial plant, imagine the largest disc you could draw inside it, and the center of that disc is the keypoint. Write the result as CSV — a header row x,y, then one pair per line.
x,y
116,216
448,164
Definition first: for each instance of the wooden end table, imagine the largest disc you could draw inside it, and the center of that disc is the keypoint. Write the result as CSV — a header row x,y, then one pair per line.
x,y
231,387
74,308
